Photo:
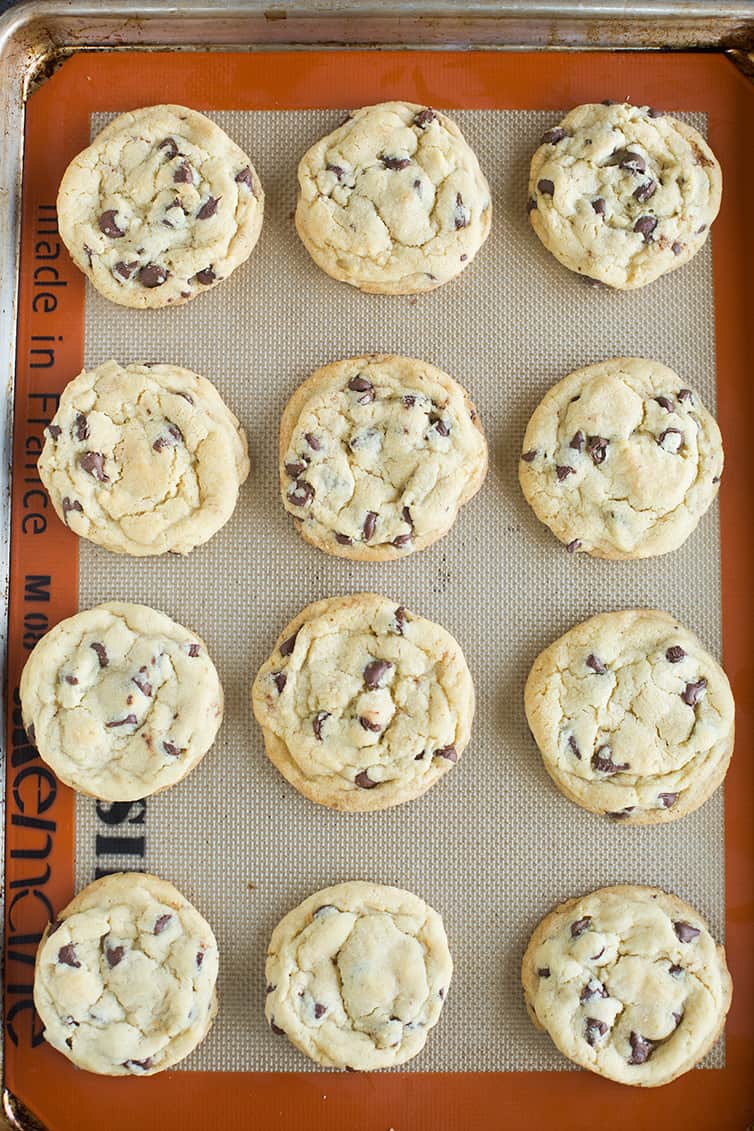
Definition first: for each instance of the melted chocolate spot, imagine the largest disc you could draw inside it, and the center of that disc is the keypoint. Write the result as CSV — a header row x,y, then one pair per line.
x,y
577,443
205,276
553,136
593,1029
101,654
81,427
317,723
170,147
595,663
209,208
71,505
667,799
288,645
367,724
153,275
629,160
375,671
400,619
107,224
360,385
573,747
67,956
369,524
563,471
193,650
395,163
685,932
126,270
666,403
599,206
280,679
184,174
603,763
645,226
646,191
546,187
675,654
448,752
169,748
319,1010
579,926
301,494
114,955
363,781
573,546
245,178
54,430
641,1049
693,692
343,539
161,924
597,448
527,457
424,117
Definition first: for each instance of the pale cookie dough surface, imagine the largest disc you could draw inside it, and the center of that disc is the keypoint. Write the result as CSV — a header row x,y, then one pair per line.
x,y
121,701
393,200
125,978
377,455
621,459
629,983
357,976
143,459
364,705
632,716
160,207
622,193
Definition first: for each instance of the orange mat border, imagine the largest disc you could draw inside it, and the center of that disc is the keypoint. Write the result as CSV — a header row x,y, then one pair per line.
x,y
39,833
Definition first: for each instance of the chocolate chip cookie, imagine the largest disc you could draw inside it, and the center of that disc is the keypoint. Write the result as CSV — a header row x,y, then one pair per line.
x,y
393,201
629,983
632,716
363,705
622,194
125,977
121,701
377,455
160,207
357,976
143,459
621,459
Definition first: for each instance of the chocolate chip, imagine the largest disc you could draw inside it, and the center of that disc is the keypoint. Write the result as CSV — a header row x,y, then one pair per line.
x,y
126,721
209,208
645,192
317,723
652,113
58,922
280,679
174,436
621,814
666,403
375,671
645,225
343,539
527,457
114,955
629,160
685,932
161,924
641,1049
245,178
603,763
573,747
579,926
676,248
418,757
441,992
153,275
546,187
337,170
409,401
142,683
402,540
288,645
143,1064
70,505
360,385
205,276
553,136
460,213
594,1029
169,748
367,724
54,430
424,117
563,471
671,440
107,224
667,799
597,448
693,692
573,546
81,427
199,957
101,654
31,734
675,654
363,781
544,971
170,147
685,395
71,679
312,441
369,524
193,650
319,1010
301,494
67,956
395,163
400,619
439,425
678,1018
599,206
184,174
295,469
595,663
126,270
448,752
592,990
703,228
577,443
531,205
675,971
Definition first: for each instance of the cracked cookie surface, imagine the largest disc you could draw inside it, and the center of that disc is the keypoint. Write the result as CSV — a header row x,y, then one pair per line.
x,y
161,206
121,701
125,978
633,718
377,455
629,983
621,460
622,194
393,200
363,705
357,975
143,459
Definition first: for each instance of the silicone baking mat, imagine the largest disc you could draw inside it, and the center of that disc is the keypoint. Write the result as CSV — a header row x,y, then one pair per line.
x,y
494,846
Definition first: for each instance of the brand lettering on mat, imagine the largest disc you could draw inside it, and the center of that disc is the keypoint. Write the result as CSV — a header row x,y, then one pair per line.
x,y
117,837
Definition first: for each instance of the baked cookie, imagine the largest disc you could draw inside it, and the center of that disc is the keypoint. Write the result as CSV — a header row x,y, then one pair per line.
x,y
357,976
629,983
620,460
632,716
160,207
121,701
143,459
393,201
125,977
377,455
363,705
622,194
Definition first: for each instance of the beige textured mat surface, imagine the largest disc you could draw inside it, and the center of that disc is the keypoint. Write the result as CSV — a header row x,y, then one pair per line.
x,y
494,845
